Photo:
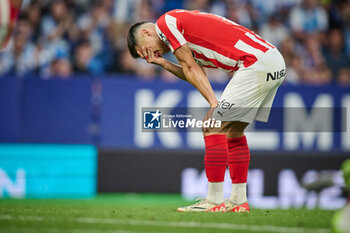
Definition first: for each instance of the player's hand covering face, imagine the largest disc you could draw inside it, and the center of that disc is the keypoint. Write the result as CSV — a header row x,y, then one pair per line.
x,y
151,56
150,47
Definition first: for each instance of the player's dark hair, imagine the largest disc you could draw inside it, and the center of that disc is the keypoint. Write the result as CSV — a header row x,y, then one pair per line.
x,y
132,38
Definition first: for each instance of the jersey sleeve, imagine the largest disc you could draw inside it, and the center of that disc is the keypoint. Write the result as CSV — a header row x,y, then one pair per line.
x,y
168,31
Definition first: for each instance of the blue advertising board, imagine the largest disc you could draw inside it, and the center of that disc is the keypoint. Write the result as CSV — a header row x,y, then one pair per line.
x,y
46,111
9,110
108,112
302,117
56,111
47,171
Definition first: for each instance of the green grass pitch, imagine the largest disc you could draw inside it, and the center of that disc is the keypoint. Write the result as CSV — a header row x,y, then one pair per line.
x,y
148,213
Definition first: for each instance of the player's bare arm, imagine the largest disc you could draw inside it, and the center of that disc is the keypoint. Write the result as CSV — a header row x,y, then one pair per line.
x,y
189,70
194,74
151,57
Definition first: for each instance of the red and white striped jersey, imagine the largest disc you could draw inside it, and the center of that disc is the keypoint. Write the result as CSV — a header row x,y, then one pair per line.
x,y
8,17
215,41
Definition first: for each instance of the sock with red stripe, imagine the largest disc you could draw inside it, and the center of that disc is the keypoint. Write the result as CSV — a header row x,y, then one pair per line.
x,y
238,161
215,162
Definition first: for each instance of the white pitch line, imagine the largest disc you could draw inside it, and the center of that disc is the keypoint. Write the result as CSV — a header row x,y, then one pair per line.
x,y
70,230
230,226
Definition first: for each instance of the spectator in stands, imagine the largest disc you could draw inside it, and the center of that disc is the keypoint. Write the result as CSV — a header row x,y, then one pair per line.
x,y
24,27
33,14
85,61
344,77
52,29
60,68
237,12
93,24
309,62
311,51
125,11
293,61
334,51
274,31
19,59
57,25
200,5
346,26
124,63
321,75
338,11
308,18
261,10
146,12
58,32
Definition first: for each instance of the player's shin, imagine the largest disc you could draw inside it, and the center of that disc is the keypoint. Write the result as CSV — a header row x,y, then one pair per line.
x,y
238,160
215,161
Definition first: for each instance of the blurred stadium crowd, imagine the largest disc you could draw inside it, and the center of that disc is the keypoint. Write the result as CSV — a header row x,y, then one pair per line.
x,y
58,38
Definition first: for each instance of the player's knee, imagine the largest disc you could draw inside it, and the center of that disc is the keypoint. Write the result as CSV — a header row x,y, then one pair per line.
x,y
231,129
214,130
205,131
208,130
236,129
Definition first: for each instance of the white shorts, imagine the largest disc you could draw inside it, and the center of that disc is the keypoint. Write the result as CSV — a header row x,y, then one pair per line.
x,y
250,93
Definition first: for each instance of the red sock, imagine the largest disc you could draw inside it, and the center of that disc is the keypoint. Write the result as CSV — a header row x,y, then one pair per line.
x,y
215,158
238,159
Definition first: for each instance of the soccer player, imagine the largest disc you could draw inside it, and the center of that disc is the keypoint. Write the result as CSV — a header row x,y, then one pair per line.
x,y
9,10
199,40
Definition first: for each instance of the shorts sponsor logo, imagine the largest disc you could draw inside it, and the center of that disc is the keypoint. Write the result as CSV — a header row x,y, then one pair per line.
x,y
276,75
223,104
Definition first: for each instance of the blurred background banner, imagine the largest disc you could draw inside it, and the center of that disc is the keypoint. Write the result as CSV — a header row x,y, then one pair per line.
x,y
47,171
55,39
108,113
275,180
